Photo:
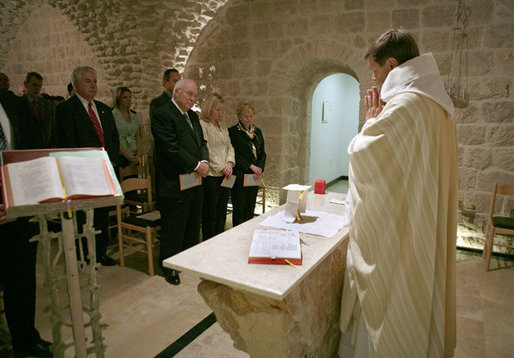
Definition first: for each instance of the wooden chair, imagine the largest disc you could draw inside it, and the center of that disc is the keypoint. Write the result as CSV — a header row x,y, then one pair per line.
x,y
136,199
134,232
497,224
130,170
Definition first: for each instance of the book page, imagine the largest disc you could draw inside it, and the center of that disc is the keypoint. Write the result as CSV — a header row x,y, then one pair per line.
x,y
92,153
86,176
276,244
34,181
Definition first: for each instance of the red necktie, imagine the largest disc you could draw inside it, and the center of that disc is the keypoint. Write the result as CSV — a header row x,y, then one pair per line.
x,y
96,123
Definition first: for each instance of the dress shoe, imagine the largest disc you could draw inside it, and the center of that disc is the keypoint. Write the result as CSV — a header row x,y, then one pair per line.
x,y
39,349
105,260
172,277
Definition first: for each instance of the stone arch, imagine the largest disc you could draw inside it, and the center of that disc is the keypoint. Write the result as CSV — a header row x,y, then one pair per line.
x,y
128,43
132,41
47,42
247,52
295,76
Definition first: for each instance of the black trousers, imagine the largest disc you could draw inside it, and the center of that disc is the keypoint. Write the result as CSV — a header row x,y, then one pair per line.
x,y
215,199
18,277
180,221
243,201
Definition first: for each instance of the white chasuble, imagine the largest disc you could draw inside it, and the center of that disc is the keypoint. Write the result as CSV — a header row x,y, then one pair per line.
x,y
403,187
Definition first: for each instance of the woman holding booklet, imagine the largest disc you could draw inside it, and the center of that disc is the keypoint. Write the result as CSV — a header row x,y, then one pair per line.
x,y
250,160
216,186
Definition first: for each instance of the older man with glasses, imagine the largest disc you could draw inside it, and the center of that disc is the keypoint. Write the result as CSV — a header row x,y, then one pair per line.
x,y
180,148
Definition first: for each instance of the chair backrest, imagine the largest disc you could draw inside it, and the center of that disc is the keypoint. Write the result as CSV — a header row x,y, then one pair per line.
x,y
129,170
505,189
145,184
142,170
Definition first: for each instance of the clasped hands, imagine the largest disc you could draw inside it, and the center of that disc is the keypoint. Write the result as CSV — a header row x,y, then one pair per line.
x,y
374,104
203,169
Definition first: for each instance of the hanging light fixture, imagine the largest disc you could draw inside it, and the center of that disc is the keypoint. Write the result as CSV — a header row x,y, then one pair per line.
x,y
457,84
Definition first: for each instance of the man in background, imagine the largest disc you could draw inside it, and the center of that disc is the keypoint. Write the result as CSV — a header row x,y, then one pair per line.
x,y
82,121
399,289
17,254
170,77
70,89
41,110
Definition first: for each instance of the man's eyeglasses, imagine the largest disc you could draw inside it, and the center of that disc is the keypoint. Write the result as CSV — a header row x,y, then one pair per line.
x,y
188,93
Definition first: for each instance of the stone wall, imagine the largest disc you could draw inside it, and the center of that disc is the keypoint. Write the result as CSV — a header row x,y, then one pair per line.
x,y
274,53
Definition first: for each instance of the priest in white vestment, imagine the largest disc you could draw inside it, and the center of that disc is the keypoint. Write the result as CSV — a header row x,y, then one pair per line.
x,y
399,290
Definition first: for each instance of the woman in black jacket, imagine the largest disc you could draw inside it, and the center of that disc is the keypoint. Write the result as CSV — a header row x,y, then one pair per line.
x,y
248,146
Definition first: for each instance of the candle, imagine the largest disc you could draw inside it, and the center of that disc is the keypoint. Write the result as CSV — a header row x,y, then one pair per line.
x,y
319,186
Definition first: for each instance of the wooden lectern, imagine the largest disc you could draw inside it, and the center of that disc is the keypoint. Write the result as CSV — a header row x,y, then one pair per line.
x,y
66,242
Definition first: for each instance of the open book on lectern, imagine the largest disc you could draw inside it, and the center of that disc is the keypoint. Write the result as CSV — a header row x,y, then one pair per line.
x,y
56,176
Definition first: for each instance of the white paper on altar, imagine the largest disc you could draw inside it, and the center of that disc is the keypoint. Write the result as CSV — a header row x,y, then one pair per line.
x,y
314,222
296,201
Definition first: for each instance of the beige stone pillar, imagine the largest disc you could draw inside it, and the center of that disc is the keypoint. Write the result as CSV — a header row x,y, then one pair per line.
x,y
304,324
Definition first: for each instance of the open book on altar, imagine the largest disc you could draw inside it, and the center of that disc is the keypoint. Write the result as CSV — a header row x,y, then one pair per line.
x,y
56,176
275,247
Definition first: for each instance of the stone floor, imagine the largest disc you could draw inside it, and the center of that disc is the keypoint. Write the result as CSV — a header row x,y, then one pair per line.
x,y
145,315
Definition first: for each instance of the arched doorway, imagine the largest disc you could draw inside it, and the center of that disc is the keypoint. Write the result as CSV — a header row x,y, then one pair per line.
x,y
335,121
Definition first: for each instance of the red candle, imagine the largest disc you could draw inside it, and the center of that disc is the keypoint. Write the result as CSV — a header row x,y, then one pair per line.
x,y
319,186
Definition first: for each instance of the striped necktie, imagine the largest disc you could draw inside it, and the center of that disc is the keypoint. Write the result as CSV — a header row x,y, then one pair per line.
x,y
189,122
3,141
96,123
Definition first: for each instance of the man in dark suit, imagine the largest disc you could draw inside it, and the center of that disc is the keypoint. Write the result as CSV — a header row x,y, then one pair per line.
x,y
40,109
82,121
170,77
180,148
17,254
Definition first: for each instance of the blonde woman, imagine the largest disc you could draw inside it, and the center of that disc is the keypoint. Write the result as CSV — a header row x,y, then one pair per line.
x,y
221,161
248,146
128,126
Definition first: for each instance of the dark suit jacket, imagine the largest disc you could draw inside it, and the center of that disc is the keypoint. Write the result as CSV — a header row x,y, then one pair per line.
x,y
23,131
243,150
177,148
45,124
159,101
74,128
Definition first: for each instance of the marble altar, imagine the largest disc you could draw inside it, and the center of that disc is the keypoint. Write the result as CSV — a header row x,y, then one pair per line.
x,y
273,310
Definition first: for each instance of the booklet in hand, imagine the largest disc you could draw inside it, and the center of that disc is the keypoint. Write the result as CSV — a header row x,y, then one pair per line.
x,y
228,183
249,180
275,247
188,181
